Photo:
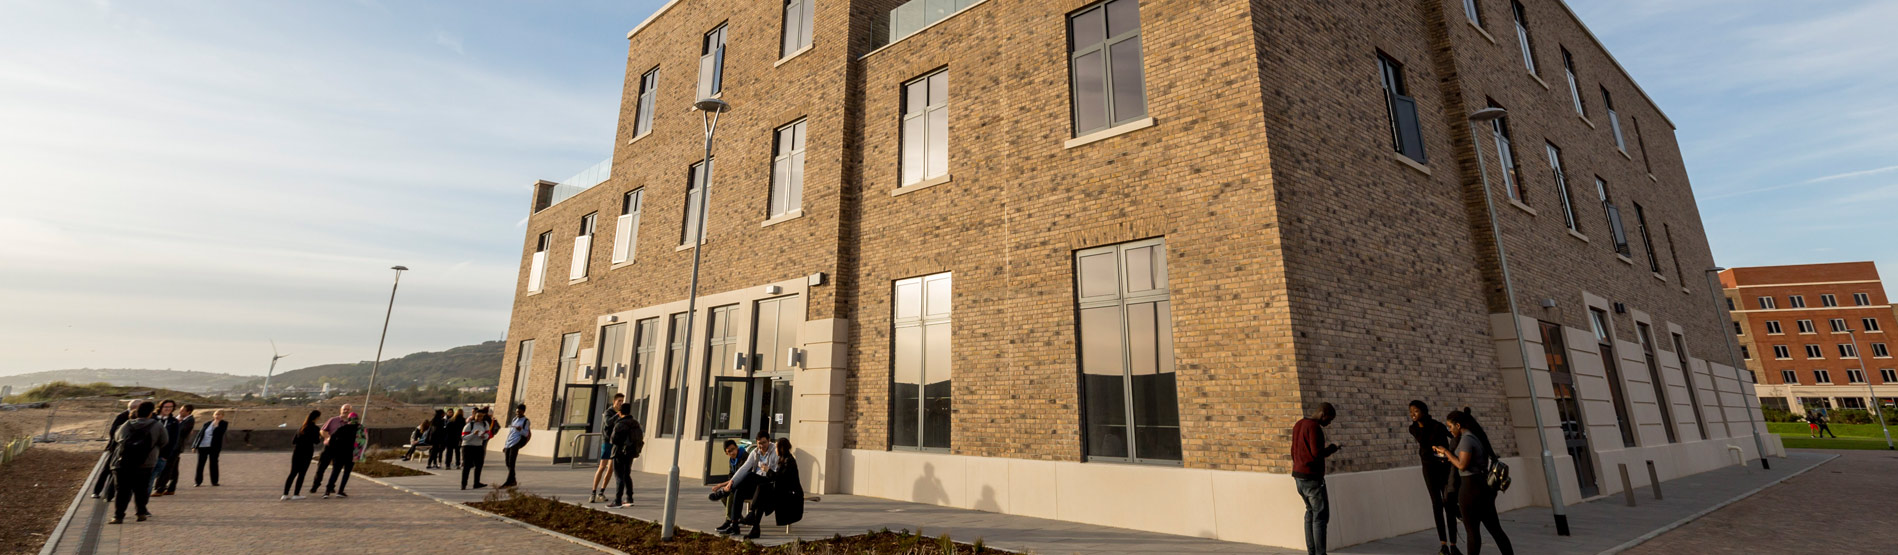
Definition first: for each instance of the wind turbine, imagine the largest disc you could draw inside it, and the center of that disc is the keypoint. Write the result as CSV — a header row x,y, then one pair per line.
x,y
273,367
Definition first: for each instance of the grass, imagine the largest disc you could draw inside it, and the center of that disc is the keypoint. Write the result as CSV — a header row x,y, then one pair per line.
x,y
1797,435
1842,442
1843,430
64,390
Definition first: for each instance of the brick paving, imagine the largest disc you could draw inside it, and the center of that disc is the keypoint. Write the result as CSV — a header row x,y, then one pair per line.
x,y
1842,507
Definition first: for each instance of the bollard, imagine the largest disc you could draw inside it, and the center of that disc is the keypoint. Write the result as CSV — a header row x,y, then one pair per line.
x,y
1654,480
1627,487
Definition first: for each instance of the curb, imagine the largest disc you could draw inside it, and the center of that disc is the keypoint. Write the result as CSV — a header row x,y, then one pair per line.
x,y
1704,512
52,541
480,512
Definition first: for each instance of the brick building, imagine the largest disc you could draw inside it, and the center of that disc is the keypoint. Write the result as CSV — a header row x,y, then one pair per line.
x,y
1815,334
1044,257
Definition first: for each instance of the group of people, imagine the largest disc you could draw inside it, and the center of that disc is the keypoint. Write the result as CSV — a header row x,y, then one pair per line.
x,y
1455,455
343,442
623,441
146,446
1816,419
457,441
767,478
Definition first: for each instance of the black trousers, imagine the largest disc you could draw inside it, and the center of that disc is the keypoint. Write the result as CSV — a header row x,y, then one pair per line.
x,y
1443,505
168,480
131,484
105,471
203,455
1479,511
435,454
472,457
510,454
453,456
623,473
299,466
342,463
344,466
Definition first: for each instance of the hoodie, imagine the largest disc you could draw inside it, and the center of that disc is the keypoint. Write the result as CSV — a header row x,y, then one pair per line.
x,y
144,426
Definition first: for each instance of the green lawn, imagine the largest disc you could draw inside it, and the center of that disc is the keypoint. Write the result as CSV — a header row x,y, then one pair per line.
x,y
1800,429
1842,442
1796,435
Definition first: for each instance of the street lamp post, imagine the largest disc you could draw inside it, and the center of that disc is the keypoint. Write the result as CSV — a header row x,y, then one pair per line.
x,y
1522,346
1733,357
710,109
379,342
1869,392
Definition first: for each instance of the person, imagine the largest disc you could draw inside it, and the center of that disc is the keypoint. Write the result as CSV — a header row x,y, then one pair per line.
x,y
457,424
418,439
603,474
437,438
169,424
1474,496
1824,428
1309,452
474,439
140,442
1437,473
210,445
339,454
1812,422
168,484
751,481
335,422
789,485
112,442
301,448
519,431
734,457
629,438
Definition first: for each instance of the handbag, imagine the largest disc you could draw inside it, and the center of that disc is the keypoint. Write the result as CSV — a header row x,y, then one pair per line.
x,y
1496,476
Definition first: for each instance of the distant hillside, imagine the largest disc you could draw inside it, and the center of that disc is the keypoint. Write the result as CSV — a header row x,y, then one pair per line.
x,y
181,380
468,366
65,390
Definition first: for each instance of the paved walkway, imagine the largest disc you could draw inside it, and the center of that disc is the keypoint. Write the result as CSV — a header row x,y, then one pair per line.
x,y
244,516
1842,507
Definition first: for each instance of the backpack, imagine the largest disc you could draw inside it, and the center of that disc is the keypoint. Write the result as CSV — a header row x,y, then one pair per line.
x,y
1495,474
635,443
135,449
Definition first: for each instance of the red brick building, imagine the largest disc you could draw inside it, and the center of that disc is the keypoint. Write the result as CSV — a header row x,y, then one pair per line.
x,y
1817,335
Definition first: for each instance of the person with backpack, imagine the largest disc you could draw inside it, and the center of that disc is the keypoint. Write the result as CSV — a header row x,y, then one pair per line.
x,y
1472,458
112,442
629,438
1823,427
519,431
140,442
301,448
1437,473
603,475
210,444
474,441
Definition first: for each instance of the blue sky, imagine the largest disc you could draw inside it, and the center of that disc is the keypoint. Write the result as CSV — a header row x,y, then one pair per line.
x,y
188,180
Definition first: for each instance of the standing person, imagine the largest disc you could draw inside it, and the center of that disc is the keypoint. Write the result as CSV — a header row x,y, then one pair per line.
x,y
418,438
186,422
1824,429
628,439
1474,496
603,474
1812,423
111,443
301,448
457,424
1309,452
140,442
210,445
519,431
169,452
437,438
1437,473
340,452
474,435
335,422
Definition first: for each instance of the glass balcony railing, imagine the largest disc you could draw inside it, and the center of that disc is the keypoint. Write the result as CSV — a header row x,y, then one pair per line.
x,y
582,181
914,15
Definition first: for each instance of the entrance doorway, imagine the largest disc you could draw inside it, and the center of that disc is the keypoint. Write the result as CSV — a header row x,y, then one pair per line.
x,y
740,408
582,403
1574,433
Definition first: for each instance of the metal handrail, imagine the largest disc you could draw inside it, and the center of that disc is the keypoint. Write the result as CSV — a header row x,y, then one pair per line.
x,y
573,447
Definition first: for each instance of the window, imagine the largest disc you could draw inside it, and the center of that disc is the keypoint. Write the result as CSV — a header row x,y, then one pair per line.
x,y
1788,376
920,390
1738,329
672,398
1854,403
1879,351
1639,142
1693,391
1131,401
1506,155
1838,325
1846,350
648,94
1855,375
646,341
1641,223
926,128
1668,425
787,171
1574,89
712,63
1871,324
1616,232
626,229
1796,301
1611,365
1614,120
694,209
1775,403
1561,190
1105,67
1729,299
1805,326
523,365
569,359
583,247
722,358
1821,377
1766,303
1773,327
1782,352
1746,354
1861,299
1888,375
537,268
798,16
1406,129
1469,10
1680,275
1828,300
1814,351
1522,37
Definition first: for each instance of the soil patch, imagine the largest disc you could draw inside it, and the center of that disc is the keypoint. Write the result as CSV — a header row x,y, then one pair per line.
x,y
375,468
35,491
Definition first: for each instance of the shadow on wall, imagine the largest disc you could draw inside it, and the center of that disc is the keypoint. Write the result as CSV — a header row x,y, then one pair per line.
x,y
929,488
988,502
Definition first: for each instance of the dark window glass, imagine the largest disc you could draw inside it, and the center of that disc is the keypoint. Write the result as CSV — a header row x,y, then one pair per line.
x,y
671,400
1406,129
1128,382
1104,63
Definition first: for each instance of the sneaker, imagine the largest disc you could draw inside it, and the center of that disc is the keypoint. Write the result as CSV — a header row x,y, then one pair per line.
x,y
141,518
614,505
326,496
284,498
756,531
479,485
342,495
116,520
297,498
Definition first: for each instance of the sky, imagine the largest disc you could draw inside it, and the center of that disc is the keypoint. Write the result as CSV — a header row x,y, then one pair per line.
x,y
186,181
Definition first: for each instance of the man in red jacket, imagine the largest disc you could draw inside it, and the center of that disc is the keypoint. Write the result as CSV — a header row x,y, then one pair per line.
x,y
1309,451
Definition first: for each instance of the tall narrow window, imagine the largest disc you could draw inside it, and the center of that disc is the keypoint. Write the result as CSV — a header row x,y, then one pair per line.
x,y
1574,87
1642,143
673,397
926,128
787,171
1612,365
1660,384
1679,274
1561,185
1104,65
1615,230
583,247
1131,400
610,363
1641,223
537,267
648,94
1470,11
1522,36
712,63
626,228
722,358
1506,155
1861,299
1828,299
798,16
694,200
1567,408
1614,120
646,341
564,371
920,392
523,365
1406,129
1746,354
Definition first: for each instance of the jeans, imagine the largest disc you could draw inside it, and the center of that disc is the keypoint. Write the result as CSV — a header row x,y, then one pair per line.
x,y
1317,512
157,471
623,471
472,457
343,468
511,453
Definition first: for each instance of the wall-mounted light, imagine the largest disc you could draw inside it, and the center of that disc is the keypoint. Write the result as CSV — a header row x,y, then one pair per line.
x,y
773,289
794,356
817,279
1548,303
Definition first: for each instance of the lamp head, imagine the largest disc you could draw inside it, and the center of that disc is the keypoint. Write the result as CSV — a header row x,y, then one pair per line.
x,y
1488,114
399,268
712,105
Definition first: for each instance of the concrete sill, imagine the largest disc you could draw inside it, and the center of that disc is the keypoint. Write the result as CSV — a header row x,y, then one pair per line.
x,y
1110,132
1624,259
1654,179
1524,207
1412,164
1660,277
1538,78
924,184
1480,31
1578,235
683,248
648,133
532,293
1591,125
788,216
799,52
576,281
1624,154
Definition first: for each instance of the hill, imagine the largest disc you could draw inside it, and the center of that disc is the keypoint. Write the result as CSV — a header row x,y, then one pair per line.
x,y
466,366
67,390
180,380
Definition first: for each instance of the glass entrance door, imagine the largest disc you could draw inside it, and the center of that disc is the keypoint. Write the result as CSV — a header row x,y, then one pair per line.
x,y
777,407
576,418
729,413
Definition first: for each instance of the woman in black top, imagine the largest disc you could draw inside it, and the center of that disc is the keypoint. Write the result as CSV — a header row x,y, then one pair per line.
x,y
455,427
1474,496
341,452
302,447
1437,472
438,438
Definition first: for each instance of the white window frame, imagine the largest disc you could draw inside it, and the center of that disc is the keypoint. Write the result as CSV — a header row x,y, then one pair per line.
x,y
1766,303
1822,377
786,196
1773,328
1879,350
1561,185
1796,301
1574,85
648,96
1614,119
1855,375
1782,352
1871,325
1806,327
799,16
1861,299
712,62
583,246
925,131
1788,376
1828,299
1888,375
1847,350
914,310
523,369
626,228
537,266
1522,37
1815,352
1838,325
694,196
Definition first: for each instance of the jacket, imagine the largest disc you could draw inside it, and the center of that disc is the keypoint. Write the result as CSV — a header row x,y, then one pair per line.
x,y
172,440
476,433
342,443
628,439
216,429
1430,433
1309,449
112,434
187,429
789,492
306,441
142,426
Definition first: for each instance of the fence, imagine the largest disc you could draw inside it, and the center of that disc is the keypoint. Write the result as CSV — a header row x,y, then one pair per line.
x,y
14,449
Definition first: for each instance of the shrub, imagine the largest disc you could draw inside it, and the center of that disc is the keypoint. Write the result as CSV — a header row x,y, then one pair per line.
x,y
1777,415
